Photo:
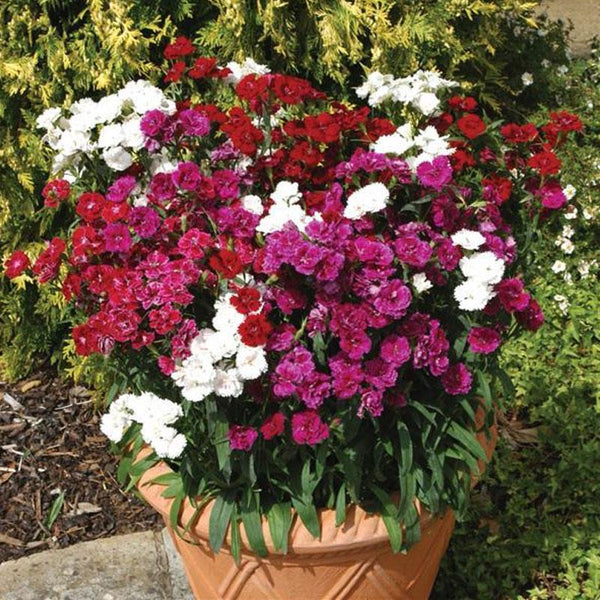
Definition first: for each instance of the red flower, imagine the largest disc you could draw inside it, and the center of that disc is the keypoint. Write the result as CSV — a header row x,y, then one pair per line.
x,y
566,121
442,122
112,212
253,87
89,206
273,426
519,134
496,189
175,72
323,128
546,163
254,330
377,127
292,90
246,301
47,264
471,126
16,264
203,67
466,103
180,47
226,263
163,319
55,191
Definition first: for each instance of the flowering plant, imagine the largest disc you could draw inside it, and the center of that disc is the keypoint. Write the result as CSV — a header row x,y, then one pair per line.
x,y
307,299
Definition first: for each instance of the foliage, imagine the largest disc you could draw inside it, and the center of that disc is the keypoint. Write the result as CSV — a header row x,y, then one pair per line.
x,y
533,531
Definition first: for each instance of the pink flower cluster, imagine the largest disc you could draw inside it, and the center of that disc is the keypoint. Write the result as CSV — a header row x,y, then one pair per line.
x,y
351,311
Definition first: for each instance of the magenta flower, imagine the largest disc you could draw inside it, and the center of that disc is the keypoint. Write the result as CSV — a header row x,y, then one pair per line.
x,y
395,350
119,191
531,317
308,428
242,437
457,379
116,237
187,176
193,123
162,187
435,174
144,221
153,123
393,299
483,340
413,251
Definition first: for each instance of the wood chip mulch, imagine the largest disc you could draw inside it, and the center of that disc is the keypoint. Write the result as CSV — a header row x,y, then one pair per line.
x,y
57,475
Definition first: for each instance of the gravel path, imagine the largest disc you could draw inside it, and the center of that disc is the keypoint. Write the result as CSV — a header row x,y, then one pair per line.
x,y
585,15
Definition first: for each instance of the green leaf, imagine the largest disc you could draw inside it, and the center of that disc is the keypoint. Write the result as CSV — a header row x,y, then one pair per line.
x,y
484,389
340,506
389,515
236,540
252,522
308,515
468,440
54,511
279,517
174,511
220,515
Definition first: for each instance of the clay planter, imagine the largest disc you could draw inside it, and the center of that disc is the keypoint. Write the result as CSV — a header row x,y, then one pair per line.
x,y
353,561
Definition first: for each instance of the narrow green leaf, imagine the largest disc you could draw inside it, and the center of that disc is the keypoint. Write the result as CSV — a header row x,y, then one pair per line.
x,y
467,439
174,512
55,509
236,540
308,515
340,506
252,522
220,515
279,517
389,515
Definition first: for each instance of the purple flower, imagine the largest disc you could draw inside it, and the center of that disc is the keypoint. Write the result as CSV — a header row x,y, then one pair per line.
x,y
393,299
457,380
372,402
242,437
162,187
347,376
306,258
448,255
308,428
153,123
116,237
483,340
552,195
413,251
292,370
373,251
193,123
187,176
145,221
226,184
315,389
435,174
121,188
395,350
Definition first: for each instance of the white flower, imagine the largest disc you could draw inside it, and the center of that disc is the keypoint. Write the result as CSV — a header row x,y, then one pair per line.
x,y
374,81
118,418
143,96
286,192
571,212
588,215
468,239
47,118
239,71
473,295
527,79
584,268
545,63
567,246
253,204
72,142
107,109
567,231
426,103
117,158
371,198
227,383
563,303
395,143
430,142
150,408
280,214
562,69
132,134
482,267
421,283
165,440
251,362
227,318
222,343
558,266
569,191
568,278
111,136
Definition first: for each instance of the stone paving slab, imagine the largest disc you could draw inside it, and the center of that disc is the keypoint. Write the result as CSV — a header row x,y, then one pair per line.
x,y
138,566
585,15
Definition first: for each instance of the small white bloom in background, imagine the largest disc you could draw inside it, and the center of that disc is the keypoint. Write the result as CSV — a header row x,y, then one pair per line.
x,y
562,69
253,204
567,231
482,267
567,246
421,283
527,79
563,303
569,191
584,267
473,295
588,215
571,212
558,266
545,63
468,239
371,198
568,278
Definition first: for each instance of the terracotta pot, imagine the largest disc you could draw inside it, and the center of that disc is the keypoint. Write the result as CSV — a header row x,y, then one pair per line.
x,y
351,561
